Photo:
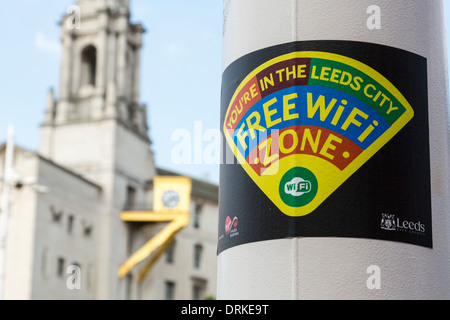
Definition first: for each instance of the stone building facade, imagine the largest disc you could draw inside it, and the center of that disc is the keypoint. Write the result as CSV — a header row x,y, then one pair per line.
x,y
95,158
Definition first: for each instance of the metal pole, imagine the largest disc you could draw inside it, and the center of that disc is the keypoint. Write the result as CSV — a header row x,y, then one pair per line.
x,y
380,230
9,155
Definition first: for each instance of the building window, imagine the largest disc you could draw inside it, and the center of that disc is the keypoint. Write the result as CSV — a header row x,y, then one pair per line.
x,y
87,228
170,290
196,292
197,214
132,112
170,253
70,221
60,267
197,255
56,215
88,66
130,201
198,288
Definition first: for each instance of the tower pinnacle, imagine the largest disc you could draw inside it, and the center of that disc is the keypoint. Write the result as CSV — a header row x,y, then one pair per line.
x,y
100,61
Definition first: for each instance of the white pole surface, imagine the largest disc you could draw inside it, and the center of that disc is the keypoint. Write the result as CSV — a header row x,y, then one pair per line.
x,y
340,268
9,155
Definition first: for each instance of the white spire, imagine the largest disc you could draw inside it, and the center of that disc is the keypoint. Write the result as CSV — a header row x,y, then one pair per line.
x,y
100,63
50,108
95,5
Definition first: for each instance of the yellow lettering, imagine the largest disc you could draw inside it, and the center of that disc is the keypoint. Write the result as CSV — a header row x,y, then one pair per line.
x,y
289,106
391,108
294,135
236,108
320,103
356,85
241,137
328,145
290,73
325,73
368,95
313,143
280,74
377,96
269,113
352,118
366,132
384,99
347,81
301,71
246,98
269,81
254,125
313,73
338,114
253,91
267,158
335,75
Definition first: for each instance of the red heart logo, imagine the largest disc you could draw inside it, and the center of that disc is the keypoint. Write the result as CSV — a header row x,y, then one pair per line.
x,y
228,225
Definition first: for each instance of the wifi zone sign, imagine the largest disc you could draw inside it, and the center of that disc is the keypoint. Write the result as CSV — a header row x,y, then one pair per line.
x,y
326,135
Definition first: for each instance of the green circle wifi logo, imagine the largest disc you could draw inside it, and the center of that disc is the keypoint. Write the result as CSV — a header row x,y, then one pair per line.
x,y
298,187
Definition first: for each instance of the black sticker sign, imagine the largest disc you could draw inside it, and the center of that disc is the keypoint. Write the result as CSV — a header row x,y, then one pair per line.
x,y
327,139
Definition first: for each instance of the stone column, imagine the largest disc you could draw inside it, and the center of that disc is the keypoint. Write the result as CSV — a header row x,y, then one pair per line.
x,y
336,267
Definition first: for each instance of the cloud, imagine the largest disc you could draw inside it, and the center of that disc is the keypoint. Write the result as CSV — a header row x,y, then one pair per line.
x,y
44,44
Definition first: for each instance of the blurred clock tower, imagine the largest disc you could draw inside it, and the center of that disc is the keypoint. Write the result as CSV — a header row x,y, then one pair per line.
x,y
97,122
95,159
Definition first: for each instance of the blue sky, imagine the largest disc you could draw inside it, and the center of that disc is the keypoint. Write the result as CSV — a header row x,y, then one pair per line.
x,y
181,68
180,80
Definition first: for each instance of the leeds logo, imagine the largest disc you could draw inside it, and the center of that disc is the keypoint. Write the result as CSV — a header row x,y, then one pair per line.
x,y
387,221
